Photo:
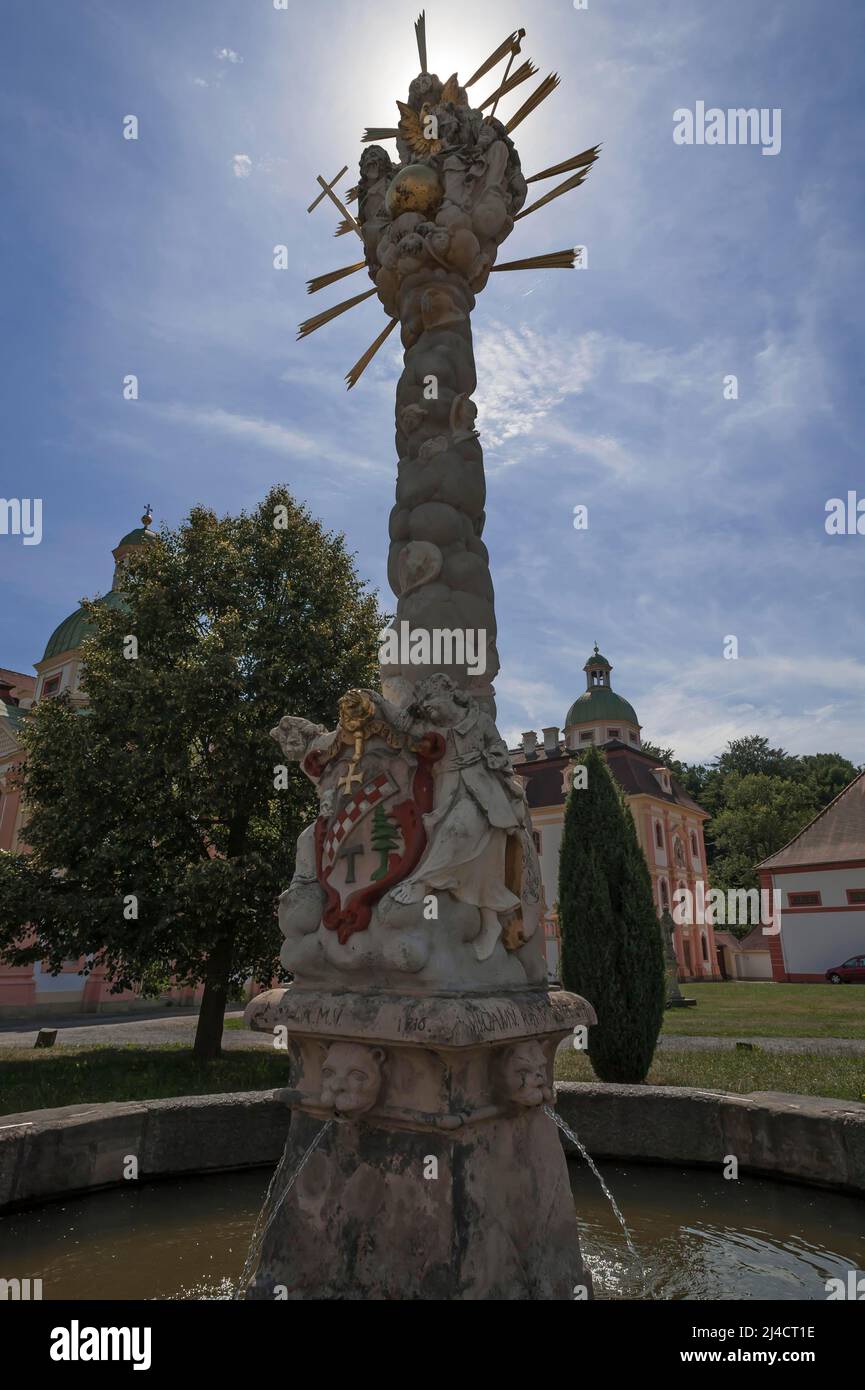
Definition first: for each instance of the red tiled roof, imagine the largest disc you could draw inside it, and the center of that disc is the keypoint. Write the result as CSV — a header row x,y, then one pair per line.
x,y
834,836
631,768
8,677
756,940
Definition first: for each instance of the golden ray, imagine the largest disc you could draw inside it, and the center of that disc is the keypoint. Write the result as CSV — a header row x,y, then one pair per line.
x,y
549,84
351,195
320,281
553,260
420,36
363,362
310,325
508,84
556,192
347,224
373,133
511,45
576,161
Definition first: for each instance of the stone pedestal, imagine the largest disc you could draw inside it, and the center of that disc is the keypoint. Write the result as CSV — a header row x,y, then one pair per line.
x,y
441,1176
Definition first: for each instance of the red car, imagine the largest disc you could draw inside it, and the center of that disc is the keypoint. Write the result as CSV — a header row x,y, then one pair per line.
x,y
852,972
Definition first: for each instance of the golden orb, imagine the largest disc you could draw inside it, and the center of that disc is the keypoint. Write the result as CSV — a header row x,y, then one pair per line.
x,y
414,189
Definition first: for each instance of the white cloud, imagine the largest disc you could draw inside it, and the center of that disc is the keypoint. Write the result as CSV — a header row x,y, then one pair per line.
x,y
523,375
271,436
241,165
227,55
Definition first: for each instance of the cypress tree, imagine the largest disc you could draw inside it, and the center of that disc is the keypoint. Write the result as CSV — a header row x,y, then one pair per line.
x,y
611,945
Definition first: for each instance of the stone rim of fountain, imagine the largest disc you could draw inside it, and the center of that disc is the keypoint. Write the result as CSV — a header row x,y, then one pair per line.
x,y
48,1155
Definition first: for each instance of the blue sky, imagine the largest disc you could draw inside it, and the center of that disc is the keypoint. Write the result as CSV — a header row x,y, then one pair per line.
x,y
601,387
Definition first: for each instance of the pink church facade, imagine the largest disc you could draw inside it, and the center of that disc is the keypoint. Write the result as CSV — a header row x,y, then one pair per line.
x,y
668,821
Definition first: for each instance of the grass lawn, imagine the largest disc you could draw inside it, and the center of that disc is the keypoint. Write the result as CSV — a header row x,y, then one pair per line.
x,y
41,1079
36,1080
803,1073
737,1009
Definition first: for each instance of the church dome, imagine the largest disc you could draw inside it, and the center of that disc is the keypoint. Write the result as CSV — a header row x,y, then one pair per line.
x,y
137,537
599,704
140,536
73,630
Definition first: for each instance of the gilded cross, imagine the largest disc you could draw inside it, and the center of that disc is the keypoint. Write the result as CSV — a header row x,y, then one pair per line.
x,y
345,784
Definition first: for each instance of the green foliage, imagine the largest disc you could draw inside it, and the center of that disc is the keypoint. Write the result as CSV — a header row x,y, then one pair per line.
x,y
163,788
39,1079
759,797
761,813
611,944
798,1073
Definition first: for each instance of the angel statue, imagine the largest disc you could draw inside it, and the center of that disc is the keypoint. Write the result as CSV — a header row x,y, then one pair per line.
x,y
478,804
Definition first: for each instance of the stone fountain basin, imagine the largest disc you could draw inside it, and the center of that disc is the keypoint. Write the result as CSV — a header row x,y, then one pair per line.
x,y
50,1154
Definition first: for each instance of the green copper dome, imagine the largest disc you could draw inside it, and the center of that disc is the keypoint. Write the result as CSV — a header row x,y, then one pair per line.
x,y
597,660
73,630
136,537
599,704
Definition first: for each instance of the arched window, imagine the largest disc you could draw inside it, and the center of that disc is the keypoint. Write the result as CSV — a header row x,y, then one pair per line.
x,y
694,846
659,835
705,948
665,895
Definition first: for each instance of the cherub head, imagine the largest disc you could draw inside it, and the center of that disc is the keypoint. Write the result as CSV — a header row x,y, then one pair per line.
x,y
426,87
438,307
524,1072
411,417
294,736
351,1078
438,699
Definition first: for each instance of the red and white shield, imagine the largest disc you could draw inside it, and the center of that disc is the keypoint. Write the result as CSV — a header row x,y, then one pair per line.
x,y
375,835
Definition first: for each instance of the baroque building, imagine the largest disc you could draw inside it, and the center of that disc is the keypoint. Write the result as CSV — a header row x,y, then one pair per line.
x,y
669,822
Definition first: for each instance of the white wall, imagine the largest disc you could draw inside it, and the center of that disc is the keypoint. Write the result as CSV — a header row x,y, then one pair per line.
x,y
814,941
754,965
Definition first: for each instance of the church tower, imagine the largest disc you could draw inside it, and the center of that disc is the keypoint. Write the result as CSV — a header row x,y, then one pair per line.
x,y
599,715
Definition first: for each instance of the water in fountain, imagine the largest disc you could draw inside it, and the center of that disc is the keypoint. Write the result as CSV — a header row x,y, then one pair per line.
x,y
273,1201
584,1153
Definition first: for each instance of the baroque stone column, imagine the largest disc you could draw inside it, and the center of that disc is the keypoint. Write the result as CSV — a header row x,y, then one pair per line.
x,y
420,1018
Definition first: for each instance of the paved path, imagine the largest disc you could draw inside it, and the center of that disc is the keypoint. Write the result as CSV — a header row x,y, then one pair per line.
x,y
828,1046
179,1026
676,1043
113,1029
